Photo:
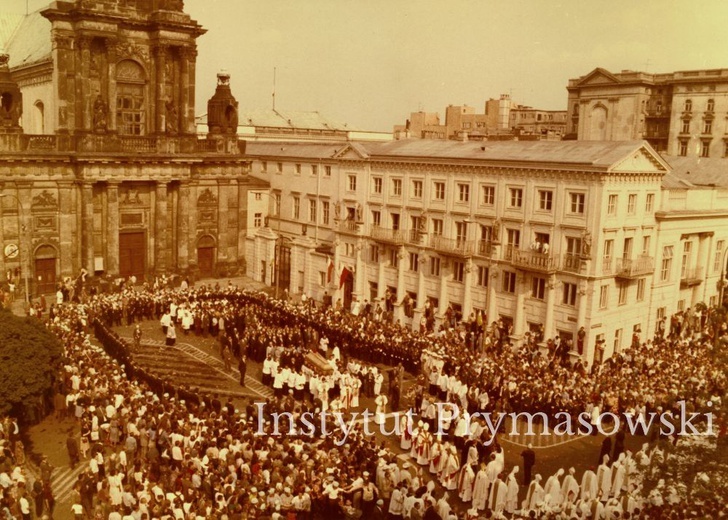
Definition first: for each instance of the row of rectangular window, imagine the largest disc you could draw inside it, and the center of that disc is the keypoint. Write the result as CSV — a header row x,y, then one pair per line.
x,y
613,203
297,168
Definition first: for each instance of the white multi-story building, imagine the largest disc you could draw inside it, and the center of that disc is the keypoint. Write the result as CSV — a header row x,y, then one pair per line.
x,y
565,234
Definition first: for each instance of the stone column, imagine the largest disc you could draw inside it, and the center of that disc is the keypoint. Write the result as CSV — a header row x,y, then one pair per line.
x,y
2,238
191,236
468,290
112,227
25,238
703,258
223,241
421,290
86,98
183,226
111,57
161,55
445,276
381,278
360,275
66,229
399,308
548,325
581,318
242,229
87,226
187,90
519,320
338,291
160,228
494,273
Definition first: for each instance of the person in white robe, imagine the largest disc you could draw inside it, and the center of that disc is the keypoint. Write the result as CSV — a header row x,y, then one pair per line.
x,y
618,473
465,483
423,448
604,478
512,491
443,506
570,487
480,489
405,433
534,495
436,454
492,470
588,485
552,489
378,380
497,498
415,440
381,402
450,473
473,455
500,458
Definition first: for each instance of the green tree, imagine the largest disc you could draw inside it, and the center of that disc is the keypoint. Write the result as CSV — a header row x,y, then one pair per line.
x,y
29,358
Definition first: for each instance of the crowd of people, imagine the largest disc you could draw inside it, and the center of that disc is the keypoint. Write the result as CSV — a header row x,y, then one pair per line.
x,y
152,450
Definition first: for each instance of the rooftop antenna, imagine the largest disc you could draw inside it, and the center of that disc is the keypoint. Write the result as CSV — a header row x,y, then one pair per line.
x,y
647,65
274,89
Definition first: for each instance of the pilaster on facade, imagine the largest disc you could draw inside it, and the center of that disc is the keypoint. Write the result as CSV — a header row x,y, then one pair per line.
x,y
160,227
112,228
87,225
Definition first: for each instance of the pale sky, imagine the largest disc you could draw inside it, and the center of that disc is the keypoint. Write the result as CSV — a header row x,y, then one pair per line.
x,y
371,62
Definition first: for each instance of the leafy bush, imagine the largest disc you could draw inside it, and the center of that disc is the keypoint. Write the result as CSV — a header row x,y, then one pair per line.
x,y
29,356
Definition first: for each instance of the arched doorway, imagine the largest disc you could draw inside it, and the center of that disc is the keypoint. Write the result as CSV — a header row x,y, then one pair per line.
x,y
45,269
206,256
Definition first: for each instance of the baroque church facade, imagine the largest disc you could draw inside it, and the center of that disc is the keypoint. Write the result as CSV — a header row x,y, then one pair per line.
x,y
101,168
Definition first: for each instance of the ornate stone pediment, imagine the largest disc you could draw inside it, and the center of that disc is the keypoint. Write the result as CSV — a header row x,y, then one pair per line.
x,y
130,50
45,199
207,198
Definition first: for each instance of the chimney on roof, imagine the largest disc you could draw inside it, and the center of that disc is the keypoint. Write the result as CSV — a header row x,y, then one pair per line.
x,y
464,136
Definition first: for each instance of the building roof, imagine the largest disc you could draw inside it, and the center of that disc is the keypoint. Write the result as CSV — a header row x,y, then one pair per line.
x,y
599,155
288,119
692,172
303,150
596,154
27,39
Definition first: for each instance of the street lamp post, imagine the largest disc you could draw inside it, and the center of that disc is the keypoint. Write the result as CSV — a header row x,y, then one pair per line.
x,y
24,266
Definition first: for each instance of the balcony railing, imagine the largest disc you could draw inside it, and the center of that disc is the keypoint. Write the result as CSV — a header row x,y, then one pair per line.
x,y
691,277
571,263
453,246
415,236
115,143
628,268
607,265
533,261
664,112
349,226
484,248
392,236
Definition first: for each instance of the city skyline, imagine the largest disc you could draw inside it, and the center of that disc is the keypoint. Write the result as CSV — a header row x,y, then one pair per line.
x,y
372,63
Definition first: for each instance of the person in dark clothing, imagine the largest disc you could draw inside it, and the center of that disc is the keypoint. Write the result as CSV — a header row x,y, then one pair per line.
x,y
72,447
618,443
242,367
606,449
529,460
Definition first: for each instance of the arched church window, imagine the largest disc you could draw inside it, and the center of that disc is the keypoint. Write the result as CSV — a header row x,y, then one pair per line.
x,y
39,116
130,99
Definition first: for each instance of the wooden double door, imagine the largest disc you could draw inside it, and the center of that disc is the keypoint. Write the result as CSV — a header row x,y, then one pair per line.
x,y
132,254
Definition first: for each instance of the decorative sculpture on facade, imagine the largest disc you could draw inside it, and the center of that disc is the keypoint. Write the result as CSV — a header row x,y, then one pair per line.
x,y
101,111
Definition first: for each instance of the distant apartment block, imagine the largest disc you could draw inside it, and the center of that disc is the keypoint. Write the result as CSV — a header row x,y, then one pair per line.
x,y
502,120
680,113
